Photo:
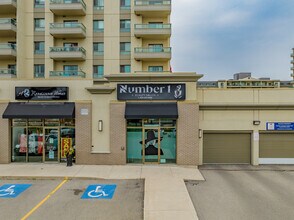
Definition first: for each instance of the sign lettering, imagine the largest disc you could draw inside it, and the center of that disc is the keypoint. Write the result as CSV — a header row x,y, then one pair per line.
x,y
41,93
151,91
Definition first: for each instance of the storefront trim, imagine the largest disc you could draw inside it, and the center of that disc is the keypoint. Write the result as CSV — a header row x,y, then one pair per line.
x,y
151,110
39,110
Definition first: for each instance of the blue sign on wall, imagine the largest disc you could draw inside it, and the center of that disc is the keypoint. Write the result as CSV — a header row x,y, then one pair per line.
x,y
99,192
12,190
280,126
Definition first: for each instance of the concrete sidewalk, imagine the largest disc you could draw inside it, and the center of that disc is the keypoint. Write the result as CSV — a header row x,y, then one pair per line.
x,y
166,196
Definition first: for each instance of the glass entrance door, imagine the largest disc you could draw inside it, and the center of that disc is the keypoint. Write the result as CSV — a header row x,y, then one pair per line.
x,y
151,145
51,145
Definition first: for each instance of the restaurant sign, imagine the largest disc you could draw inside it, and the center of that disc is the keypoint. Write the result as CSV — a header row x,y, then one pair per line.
x,y
151,91
41,93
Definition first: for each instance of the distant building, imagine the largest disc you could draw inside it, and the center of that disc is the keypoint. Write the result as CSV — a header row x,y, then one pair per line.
x,y
292,62
241,75
244,80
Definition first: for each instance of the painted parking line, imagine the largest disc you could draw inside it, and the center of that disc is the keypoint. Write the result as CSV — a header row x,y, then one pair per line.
x,y
44,200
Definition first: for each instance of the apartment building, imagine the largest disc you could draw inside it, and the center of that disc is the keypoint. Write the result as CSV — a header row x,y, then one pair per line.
x,y
95,75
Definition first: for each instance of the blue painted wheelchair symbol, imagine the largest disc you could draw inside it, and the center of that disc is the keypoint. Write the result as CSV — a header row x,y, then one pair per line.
x,y
12,190
99,192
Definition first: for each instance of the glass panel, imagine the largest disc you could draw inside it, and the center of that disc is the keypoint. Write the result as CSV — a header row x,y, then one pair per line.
x,y
51,144
51,122
19,122
35,144
151,150
67,136
67,122
168,122
151,122
35,122
19,144
134,145
134,123
168,145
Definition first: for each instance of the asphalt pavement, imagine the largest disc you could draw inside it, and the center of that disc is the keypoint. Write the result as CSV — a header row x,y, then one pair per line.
x,y
244,193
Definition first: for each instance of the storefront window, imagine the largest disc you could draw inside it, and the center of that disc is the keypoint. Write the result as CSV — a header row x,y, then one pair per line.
x,y
35,122
151,140
134,147
19,144
51,122
134,123
35,144
151,122
67,122
168,145
41,140
19,122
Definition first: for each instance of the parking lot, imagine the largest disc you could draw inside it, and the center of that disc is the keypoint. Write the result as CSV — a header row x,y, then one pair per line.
x,y
244,194
65,202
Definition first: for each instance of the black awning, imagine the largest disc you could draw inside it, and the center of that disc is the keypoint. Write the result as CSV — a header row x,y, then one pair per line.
x,y
151,110
39,110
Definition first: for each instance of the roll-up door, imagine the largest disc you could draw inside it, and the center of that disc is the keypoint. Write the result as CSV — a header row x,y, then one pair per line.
x,y
276,148
226,148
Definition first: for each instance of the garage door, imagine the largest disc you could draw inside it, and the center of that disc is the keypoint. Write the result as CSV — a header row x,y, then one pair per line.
x,y
226,148
276,148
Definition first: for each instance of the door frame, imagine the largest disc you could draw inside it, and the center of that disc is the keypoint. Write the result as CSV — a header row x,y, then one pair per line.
x,y
158,145
58,144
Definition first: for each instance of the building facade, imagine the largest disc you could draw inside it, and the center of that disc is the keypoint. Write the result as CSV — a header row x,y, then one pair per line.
x,y
96,75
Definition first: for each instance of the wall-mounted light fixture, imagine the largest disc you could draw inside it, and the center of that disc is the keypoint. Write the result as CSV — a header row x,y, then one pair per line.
x,y
200,133
100,125
256,122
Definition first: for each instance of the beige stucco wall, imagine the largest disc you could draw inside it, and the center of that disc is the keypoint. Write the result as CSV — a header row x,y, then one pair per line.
x,y
238,120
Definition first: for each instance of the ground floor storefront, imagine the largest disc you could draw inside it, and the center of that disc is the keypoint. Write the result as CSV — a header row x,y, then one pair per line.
x,y
150,120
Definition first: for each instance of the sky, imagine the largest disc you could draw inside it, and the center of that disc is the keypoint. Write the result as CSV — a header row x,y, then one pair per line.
x,y
218,38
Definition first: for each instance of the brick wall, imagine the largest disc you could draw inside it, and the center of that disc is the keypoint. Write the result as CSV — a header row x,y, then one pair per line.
x,y
117,136
187,134
5,147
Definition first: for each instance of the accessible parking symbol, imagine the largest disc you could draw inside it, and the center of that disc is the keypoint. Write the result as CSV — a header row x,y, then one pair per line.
x,y
99,192
13,190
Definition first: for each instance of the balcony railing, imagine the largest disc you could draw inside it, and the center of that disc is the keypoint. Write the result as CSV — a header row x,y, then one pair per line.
x,y
68,2
8,46
68,25
71,73
68,7
68,30
153,50
68,49
7,72
152,53
152,26
8,21
152,2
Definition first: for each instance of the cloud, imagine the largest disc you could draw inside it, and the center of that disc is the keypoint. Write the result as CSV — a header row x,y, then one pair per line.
x,y
221,37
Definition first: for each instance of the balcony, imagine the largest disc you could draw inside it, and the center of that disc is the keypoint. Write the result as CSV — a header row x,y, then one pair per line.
x,y
153,8
153,31
7,27
67,74
152,54
7,73
68,7
68,30
68,53
7,6
7,51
